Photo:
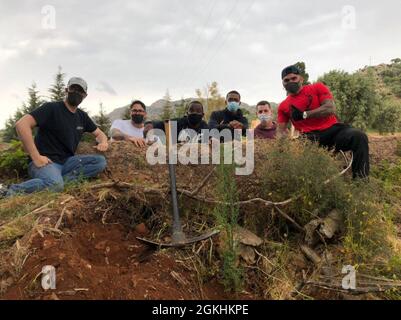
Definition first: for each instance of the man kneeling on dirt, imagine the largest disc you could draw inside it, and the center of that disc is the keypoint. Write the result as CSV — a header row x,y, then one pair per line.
x,y
189,128
61,126
131,130
311,109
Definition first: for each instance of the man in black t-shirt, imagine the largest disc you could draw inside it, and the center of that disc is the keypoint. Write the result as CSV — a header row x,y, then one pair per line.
x,y
52,152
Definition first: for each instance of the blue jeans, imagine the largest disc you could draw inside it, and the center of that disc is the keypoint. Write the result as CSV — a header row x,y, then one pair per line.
x,y
53,176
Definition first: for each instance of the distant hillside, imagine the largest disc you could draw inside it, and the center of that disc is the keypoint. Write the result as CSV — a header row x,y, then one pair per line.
x,y
156,109
388,78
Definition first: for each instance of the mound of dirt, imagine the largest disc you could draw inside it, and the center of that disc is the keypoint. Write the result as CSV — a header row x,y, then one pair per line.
x,y
96,261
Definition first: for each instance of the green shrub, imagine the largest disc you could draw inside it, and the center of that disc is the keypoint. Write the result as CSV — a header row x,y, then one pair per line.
x,y
14,161
299,170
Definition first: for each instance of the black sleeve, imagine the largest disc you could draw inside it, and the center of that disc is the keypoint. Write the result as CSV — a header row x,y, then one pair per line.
x,y
158,125
42,114
215,122
204,126
244,121
89,125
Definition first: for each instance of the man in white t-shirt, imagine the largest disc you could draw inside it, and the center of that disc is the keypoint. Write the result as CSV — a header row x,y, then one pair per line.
x,y
131,130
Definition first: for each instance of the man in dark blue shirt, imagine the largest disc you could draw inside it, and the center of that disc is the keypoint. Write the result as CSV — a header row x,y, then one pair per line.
x,y
231,117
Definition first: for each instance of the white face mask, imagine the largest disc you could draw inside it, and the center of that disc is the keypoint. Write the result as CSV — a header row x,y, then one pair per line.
x,y
265,117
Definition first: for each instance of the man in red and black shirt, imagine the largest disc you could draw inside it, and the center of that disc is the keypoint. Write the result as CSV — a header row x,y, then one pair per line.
x,y
311,110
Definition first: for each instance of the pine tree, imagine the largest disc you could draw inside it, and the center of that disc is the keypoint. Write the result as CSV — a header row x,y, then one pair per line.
x,y
167,112
102,120
34,100
57,90
9,133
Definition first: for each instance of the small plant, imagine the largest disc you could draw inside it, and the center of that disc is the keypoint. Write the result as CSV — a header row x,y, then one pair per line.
x,y
226,215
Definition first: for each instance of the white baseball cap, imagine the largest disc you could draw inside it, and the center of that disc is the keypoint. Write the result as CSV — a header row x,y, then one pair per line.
x,y
78,81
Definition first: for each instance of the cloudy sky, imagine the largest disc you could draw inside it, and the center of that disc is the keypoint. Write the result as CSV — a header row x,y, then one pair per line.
x,y
127,49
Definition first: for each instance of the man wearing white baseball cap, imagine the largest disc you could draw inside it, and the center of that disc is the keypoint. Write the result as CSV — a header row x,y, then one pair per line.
x,y
52,151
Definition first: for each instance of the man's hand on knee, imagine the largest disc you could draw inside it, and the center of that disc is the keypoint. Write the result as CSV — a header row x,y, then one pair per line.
x,y
41,161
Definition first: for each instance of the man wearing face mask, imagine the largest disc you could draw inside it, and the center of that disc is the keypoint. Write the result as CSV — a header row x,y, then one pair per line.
x,y
131,130
230,118
60,128
193,120
267,128
311,110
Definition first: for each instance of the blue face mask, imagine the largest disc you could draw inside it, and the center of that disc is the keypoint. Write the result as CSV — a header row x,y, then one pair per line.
x,y
233,106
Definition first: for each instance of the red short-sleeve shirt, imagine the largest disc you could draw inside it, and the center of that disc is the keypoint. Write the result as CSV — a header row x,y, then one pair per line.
x,y
310,97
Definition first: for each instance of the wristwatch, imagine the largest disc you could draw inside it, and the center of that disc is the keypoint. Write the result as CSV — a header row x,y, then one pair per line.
x,y
305,115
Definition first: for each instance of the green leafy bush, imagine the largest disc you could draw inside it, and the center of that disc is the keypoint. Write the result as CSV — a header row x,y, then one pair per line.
x,y
355,95
299,170
14,161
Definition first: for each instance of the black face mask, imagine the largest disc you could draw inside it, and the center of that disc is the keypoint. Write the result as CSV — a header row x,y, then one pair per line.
x,y
292,87
137,118
195,119
74,99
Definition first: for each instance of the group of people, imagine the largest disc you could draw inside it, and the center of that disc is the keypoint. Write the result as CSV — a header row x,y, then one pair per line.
x,y
310,109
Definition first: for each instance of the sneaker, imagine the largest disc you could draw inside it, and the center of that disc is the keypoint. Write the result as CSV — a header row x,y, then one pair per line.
x,y
3,190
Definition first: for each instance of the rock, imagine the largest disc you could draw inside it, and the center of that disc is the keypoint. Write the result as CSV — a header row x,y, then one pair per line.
x,y
246,237
331,224
142,230
327,227
247,253
298,260
311,255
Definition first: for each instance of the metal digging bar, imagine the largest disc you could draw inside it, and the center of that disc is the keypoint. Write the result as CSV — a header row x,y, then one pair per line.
x,y
178,238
